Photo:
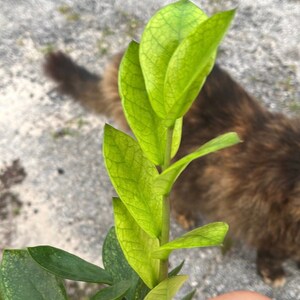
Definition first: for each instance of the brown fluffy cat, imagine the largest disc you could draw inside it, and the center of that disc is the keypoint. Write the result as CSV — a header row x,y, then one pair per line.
x,y
254,186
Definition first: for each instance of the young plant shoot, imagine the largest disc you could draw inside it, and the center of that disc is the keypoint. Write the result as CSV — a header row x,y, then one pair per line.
x,y
159,78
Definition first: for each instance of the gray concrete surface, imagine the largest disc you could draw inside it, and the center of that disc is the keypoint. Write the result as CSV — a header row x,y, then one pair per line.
x,y
50,135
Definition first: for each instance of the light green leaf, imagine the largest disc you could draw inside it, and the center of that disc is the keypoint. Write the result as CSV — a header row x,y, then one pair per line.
x,y
192,62
132,176
148,128
115,292
167,289
136,244
206,236
164,182
23,278
176,139
161,37
67,265
186,100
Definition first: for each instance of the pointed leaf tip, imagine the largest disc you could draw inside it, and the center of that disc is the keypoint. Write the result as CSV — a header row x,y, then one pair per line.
x,y
163,183
67,265
192,62
206,236
162,36
167,289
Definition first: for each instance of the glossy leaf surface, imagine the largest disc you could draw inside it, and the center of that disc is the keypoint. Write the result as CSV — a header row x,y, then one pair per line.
x,y
23,278
68,266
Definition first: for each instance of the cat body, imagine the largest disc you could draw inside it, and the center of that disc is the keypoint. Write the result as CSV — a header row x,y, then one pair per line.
x,y
253,186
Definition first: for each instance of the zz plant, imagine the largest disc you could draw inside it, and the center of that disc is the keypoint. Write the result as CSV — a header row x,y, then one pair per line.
x,y
158,81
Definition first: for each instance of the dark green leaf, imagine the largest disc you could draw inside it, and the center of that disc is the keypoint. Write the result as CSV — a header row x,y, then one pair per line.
x,y
116,264
189,296
24,279
68,266
1,287
114,292
227,244
176,270
114,260
141,290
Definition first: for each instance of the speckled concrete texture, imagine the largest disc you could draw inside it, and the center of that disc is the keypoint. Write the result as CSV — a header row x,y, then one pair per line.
x,y
66,195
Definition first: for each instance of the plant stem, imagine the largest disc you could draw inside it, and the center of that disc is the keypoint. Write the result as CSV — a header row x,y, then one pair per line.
x,y
164,264
165,234
168,153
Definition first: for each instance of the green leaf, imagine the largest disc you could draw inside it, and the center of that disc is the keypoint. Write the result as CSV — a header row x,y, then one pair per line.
x,y
167,289
116,264
176,139
68,266
141,290
176,270
23,278
115,292
114,260
2,295
189,296
227,244
206,236
164,182
191,63
161,37
148,128
132,175
136,244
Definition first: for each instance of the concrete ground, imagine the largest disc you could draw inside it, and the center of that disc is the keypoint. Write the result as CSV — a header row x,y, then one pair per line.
x,y
65,197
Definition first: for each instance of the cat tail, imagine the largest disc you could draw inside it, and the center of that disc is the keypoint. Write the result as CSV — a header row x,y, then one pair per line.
x,y
96,93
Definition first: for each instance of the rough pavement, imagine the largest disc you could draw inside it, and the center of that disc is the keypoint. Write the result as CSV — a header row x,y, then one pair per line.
x,y
64,200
